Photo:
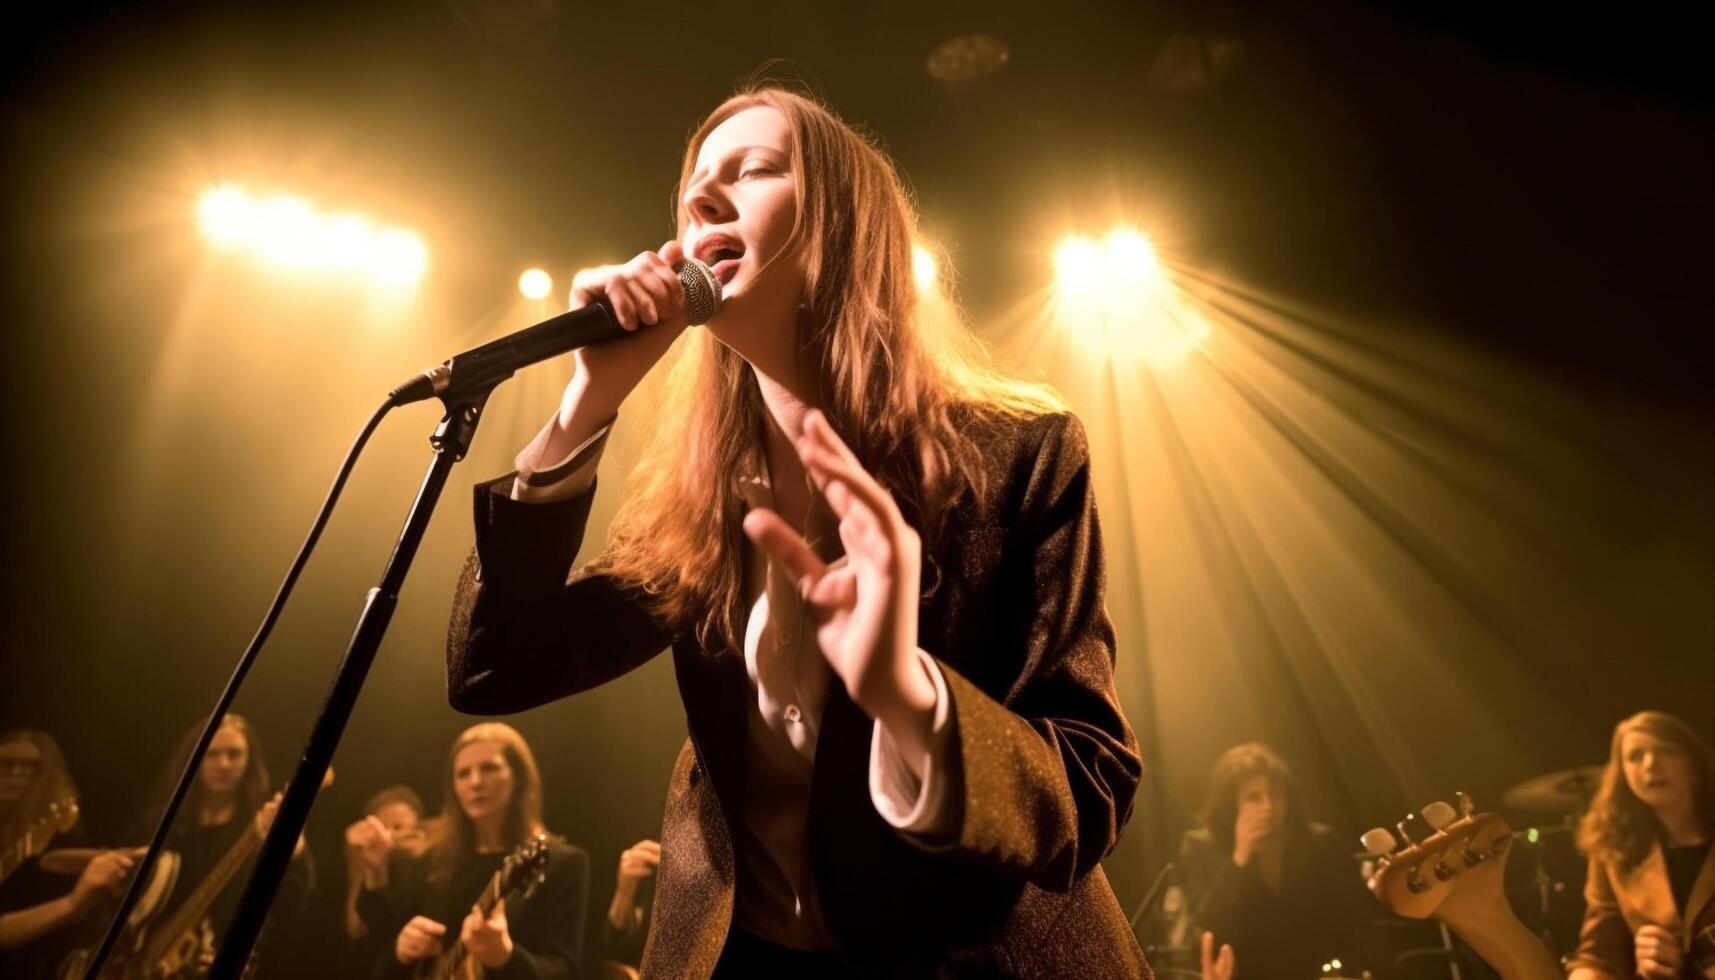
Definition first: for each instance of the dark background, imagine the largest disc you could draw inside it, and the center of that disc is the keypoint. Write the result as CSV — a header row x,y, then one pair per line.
x,y
1514,205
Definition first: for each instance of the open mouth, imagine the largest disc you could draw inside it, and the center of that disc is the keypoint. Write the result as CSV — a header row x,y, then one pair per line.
x,y
722,258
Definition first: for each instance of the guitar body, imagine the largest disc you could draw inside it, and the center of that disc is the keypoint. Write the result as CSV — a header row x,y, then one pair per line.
x,y
173,947
516,879
450,965
125,960
185,952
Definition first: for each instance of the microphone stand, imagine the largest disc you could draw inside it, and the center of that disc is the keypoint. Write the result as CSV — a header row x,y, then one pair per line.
x,y
1168,870
451,441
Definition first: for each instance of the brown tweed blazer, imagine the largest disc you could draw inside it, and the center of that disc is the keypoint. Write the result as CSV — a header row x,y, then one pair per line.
x,y
1044,765
1620,901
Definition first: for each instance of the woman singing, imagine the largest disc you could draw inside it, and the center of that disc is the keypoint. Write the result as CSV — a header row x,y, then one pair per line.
x,y
1650,896
423,894
878,566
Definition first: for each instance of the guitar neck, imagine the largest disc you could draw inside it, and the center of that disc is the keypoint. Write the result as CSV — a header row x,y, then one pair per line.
x,y
1494,933
34,840
196,905
451,963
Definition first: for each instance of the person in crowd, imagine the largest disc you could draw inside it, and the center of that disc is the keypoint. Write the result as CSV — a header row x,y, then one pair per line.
x,y
229,808
424,895
627,921
1275,887
1650,895
41,912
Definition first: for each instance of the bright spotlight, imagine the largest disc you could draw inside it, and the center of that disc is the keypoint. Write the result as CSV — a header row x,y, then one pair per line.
x,y
1078,264
535,284
226,215
398,258
290,232
347,241
1116,295
1131,259
924,267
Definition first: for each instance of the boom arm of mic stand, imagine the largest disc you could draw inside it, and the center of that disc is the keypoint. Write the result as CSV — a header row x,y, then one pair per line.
x,y
450,442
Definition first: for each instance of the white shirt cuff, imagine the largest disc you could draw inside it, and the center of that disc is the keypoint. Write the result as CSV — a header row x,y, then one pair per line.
x,y
909,804
572,475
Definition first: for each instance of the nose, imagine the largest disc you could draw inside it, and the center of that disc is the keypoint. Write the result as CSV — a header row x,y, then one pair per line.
x,y
705,201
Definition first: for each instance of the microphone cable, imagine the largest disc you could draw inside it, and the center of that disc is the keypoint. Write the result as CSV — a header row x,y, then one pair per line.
x,y
145,866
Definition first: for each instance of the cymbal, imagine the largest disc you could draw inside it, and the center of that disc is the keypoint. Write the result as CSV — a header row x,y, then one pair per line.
x,y
1554,792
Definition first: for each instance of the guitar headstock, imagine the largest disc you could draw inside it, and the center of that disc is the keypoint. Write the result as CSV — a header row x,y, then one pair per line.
x,y
525,868
1459,865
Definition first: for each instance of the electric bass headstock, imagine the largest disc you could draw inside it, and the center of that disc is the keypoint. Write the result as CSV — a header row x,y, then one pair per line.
x,y
1450,858
1451,868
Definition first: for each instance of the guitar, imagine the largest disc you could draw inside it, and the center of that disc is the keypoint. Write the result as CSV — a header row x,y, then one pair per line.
x,y
60,816
1455,877
173,947
518,877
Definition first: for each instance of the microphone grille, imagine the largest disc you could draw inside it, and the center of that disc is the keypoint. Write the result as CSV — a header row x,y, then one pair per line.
x,y
702,291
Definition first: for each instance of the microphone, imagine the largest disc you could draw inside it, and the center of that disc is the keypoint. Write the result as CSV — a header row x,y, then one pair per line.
x,y
494,362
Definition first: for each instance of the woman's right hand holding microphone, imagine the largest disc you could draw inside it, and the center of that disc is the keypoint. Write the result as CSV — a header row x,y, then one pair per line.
x,y
647,299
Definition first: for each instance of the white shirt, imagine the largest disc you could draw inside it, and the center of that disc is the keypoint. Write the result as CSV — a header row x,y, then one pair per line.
x,y
776,894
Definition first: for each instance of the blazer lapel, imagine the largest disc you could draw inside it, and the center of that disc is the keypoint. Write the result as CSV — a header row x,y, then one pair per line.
x,y
1644,894
1702,894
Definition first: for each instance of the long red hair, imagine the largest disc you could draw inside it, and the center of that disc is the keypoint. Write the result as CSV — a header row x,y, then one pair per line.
x,y
900,390
1620,828
450,837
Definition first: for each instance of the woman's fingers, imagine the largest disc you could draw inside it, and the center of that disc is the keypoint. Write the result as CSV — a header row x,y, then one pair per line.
x,y
827,458
619,298
648,311
861,533
784,545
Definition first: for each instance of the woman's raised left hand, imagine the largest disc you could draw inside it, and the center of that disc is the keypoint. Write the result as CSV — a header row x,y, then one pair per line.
x,y
865,607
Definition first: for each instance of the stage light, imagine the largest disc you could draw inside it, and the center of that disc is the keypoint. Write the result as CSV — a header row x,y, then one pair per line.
x,y
535,284
1131,260
398,258
226,215
924,267
1117,297
290,232
347,241
1078,264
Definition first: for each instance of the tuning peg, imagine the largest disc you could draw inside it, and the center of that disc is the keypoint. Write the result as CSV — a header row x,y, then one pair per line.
x,y
1466,807
1438,815
1411,829
1379,841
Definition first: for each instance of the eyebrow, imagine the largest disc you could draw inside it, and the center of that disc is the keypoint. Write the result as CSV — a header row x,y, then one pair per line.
x,y
739,151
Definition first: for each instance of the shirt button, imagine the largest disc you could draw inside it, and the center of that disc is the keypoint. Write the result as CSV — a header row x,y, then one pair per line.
x,y
793,714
